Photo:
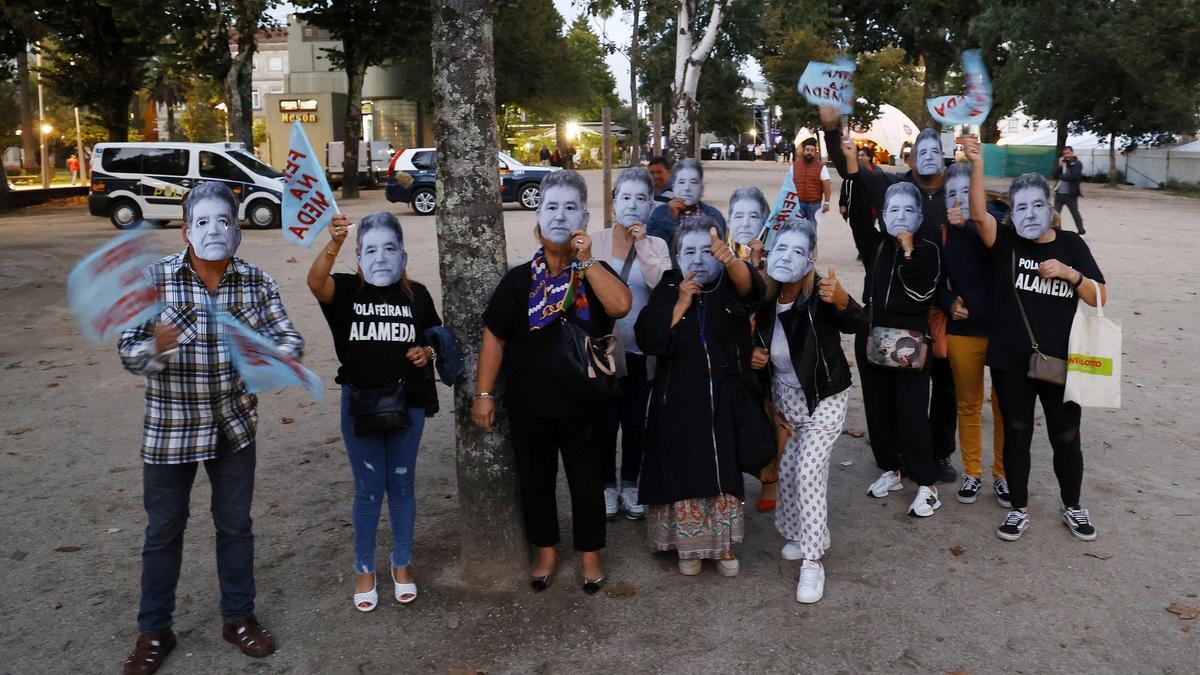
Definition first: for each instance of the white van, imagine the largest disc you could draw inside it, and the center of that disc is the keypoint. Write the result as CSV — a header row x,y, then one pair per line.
x,y
136,181
373,159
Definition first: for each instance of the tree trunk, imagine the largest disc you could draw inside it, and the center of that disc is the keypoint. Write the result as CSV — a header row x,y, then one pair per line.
x,y
115,118
1060,136
690,56
237,95
170,121
935,81
355,71
989,131
5,196
29,141
472,258
634,46
1112,160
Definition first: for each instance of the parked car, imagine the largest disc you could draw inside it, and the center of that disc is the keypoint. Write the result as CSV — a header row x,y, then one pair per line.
x,y
519,182
136,181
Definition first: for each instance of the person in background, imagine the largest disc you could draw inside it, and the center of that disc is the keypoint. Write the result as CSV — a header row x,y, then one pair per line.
x,y
813,187
802,360
641,261
1068,171
199,412
660,173
687,182
73,167
965,294
544,156
854,206
522,324
1040,274
697,324
378,317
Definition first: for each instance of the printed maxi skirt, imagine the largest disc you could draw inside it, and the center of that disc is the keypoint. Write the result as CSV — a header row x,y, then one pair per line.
x,y
697,528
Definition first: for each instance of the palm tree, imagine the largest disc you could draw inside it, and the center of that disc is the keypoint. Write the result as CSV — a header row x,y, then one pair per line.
x,y
167,85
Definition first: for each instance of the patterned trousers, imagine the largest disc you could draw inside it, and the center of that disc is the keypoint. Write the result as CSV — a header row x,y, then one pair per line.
x,y
802,514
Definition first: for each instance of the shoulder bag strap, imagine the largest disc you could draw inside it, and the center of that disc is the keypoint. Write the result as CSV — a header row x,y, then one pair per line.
x,y
1020,306
628,266
870,285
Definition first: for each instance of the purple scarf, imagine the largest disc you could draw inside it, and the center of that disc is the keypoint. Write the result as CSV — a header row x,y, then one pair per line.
x,y
551,296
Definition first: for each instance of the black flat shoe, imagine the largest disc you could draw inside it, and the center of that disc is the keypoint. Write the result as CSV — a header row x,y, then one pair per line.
x,y
592,586
539,584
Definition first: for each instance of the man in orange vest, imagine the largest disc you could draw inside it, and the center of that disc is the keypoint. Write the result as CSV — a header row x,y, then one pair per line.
x,y
812,180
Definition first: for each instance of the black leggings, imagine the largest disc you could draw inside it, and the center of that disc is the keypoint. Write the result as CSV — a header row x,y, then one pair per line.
x,y
897,407
1017,393
628,414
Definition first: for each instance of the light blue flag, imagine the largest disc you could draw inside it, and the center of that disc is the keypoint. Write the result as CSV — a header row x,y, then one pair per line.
x,y
108,291
262,365
829,84
308,203
787,205
973,106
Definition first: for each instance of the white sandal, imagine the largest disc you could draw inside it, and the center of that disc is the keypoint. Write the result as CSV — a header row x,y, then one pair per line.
x,y
404,590
365,602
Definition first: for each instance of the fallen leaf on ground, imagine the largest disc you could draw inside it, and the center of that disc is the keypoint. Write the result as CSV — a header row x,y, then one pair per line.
x,y
52,385
292,259
620,591
274,505
332,439
72,549
20,430
114,530
854,433
1100,556
287,420
1185,610
118,469
957,550
847,462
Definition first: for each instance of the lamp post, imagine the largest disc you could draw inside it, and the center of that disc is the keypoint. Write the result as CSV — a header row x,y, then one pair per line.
x,y
42,126
83,163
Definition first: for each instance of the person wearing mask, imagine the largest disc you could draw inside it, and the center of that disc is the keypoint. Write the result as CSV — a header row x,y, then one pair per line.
x,y
687,182
811,176
965,294
697,324
1068,171
563,282
903,269
748,211
927,171
1040,274
801,356
199,412
378,317
641,261
660,172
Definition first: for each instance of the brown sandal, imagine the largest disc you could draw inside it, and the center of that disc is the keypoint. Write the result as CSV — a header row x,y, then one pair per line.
x,y
250,636
149,653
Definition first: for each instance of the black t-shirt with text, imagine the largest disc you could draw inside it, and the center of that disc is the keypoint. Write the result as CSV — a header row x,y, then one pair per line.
x,y
1049,303
373,327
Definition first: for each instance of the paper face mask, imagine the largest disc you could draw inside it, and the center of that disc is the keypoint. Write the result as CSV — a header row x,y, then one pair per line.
x,y
632,203
745,220
929,157
1032,213
381,257
789,259
901,212
695,255
958,188
688,186
561,213
213,233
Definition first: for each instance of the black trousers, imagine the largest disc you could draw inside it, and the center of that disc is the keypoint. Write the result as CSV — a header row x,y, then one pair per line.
x,y
1071,203
1017,393
627,413
943,409
537,443
897,408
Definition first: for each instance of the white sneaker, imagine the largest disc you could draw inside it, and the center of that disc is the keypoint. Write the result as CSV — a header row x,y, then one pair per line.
x,y
792,551
629,503
887,482
611,507
690,568
812,582
925,504
728,568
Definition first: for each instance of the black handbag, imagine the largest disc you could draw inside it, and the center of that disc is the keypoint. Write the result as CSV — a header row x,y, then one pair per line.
x,y
584,365
378,410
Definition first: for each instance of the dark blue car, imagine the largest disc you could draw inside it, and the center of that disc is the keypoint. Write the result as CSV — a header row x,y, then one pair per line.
x,y
518,182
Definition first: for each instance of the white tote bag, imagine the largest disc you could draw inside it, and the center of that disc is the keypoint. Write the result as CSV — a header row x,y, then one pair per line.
x,y
1094,358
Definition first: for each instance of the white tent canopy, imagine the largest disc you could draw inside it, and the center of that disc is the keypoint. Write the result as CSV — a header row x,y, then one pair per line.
x,y
891,130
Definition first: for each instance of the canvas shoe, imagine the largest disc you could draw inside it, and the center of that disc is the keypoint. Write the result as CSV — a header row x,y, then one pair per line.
x,y
1014,525
611,503
1080,523
812,582
925,503
888,481
946,471
792,551
968,492
1002,494
629,504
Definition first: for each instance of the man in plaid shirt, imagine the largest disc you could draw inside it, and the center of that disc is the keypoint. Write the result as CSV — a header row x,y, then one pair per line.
x,y
198,410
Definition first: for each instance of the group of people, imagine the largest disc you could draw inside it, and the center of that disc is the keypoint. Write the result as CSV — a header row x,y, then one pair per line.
x,y
726,346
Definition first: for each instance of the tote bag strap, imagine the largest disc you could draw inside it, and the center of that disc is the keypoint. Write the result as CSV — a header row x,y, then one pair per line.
x,y
1099,298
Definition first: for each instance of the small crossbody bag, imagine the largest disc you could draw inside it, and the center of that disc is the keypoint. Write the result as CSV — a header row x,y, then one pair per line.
x,y
1041,367
893,348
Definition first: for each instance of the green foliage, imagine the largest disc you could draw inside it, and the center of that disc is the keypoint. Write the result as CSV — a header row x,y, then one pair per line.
x,y
200,121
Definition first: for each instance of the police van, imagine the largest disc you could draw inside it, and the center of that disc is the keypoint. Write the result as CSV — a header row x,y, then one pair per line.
x,y
132,182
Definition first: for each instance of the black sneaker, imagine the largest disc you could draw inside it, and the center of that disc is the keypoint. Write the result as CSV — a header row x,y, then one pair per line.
x,y
969,492
1078,520
1002,494
946,471
1015,524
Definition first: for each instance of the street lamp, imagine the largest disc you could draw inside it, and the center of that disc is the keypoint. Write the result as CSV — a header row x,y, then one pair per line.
x,y
47,129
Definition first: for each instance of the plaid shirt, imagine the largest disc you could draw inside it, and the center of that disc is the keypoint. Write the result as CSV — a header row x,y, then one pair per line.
x,y
193,393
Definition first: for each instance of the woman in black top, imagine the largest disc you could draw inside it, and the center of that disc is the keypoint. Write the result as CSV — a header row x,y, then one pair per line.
x,y
1043,271
522,324
377,318
697,323
902,276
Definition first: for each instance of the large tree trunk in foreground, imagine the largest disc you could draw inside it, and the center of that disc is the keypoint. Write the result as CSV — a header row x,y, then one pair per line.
x,y
472,257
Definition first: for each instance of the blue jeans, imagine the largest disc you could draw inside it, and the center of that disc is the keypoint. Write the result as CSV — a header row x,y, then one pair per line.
x,y
810,210
166,491
383,464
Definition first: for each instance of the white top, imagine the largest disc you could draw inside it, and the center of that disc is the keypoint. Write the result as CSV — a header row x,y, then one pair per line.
x,y
824,172
781,355
653,260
